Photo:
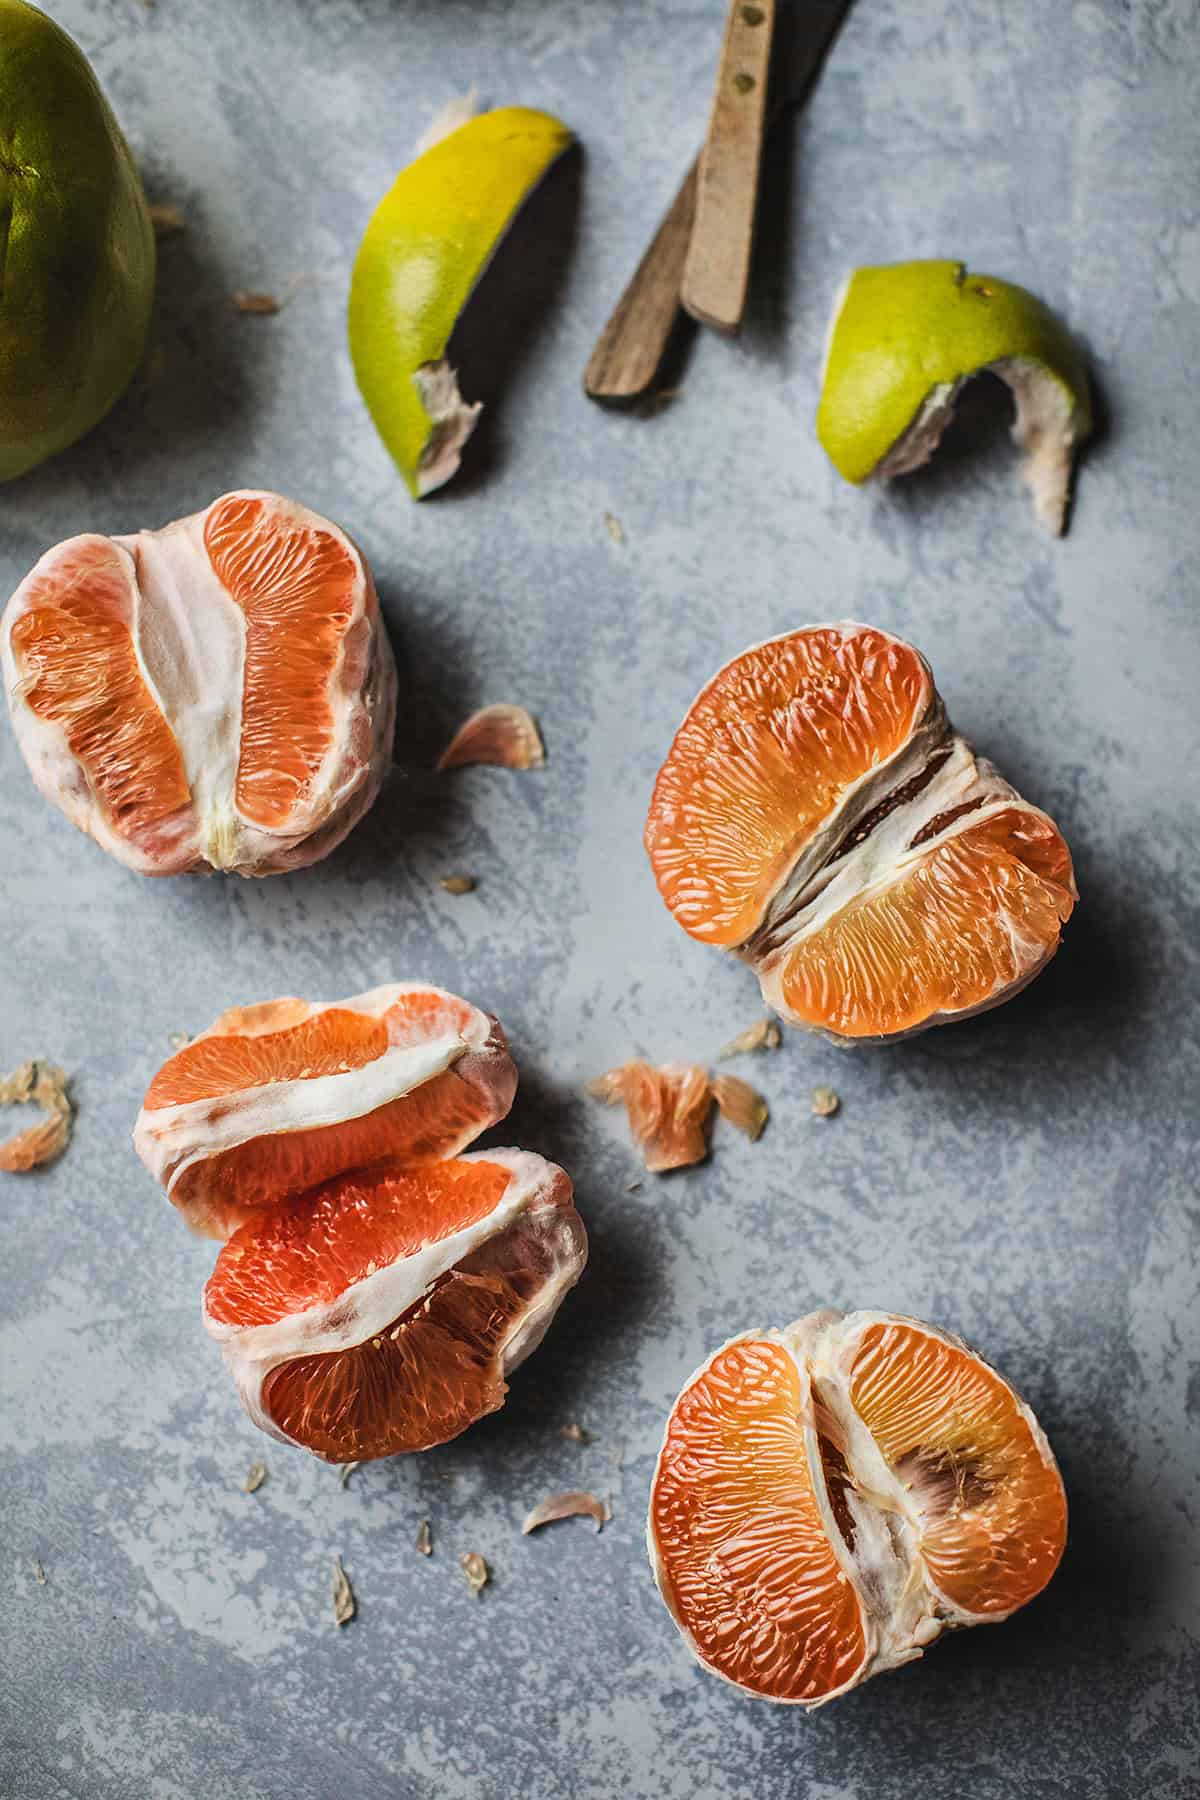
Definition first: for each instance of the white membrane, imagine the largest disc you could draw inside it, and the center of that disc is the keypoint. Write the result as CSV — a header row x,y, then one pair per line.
x,y
190,639
1047,428
453,421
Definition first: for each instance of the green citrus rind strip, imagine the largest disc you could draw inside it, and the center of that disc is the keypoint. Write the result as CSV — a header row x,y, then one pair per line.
x,y
427,244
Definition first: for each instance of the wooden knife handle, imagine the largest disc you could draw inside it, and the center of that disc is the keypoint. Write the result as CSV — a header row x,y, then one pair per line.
x,y
630,348
717,269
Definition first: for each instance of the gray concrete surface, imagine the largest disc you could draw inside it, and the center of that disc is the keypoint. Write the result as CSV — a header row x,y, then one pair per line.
x,y
1028,1178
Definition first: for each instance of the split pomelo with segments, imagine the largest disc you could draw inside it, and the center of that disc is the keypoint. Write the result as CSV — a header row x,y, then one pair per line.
x,y
218,694
828,1499
818,816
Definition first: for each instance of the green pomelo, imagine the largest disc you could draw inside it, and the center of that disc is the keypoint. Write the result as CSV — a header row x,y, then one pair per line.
x,y
76,244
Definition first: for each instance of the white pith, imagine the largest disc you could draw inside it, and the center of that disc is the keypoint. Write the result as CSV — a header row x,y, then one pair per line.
x,y
1047,428
190,643
901,1608
914,447
835,314
170,1140
370,1307
449,118
189,638
452,422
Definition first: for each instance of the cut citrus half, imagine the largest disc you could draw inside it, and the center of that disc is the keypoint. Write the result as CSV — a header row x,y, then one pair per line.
x,y
219,694
427,244
382,1312
818,816
829,1498
904,339
276,1098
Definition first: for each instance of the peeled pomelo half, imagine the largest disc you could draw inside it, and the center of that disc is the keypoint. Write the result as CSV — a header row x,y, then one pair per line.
x,y
382,1312
828,1499
219,694
428,242
818,815
274,1099
903,341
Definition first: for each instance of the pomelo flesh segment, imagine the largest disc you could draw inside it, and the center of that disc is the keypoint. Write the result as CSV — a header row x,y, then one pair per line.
x,y
246,1114
972,920
741,1552
413,1293
993,1512
297,587
768,752
329,1042
75,659
867,1479
219,694
309,1249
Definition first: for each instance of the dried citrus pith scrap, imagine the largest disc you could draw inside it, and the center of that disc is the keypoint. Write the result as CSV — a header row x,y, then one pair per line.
x,y
382,1312
818,815
219,694
275,1098
668,1109
46,1086
828,1499
375,1286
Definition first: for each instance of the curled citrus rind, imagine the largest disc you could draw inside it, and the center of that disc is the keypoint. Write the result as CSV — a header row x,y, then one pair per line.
x,y
903,340
425,248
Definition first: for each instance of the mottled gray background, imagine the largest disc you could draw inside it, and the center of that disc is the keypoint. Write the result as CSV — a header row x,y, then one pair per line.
x,y
1028,1179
